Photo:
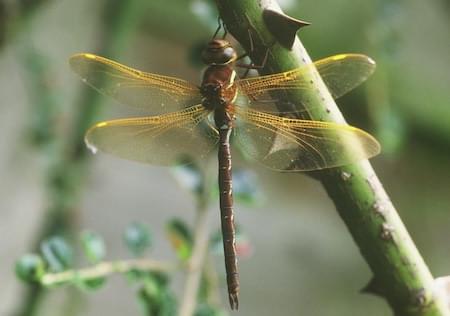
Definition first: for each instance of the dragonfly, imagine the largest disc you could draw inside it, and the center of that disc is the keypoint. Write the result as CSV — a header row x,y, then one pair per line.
x,y
187,120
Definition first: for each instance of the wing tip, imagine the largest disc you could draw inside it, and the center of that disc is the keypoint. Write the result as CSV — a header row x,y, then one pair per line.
x,y
87,137
76,58
85,55
88,144
376,146
364,57
371,61
371,145
91,147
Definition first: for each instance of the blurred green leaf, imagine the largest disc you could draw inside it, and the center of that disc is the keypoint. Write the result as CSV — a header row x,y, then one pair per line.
x,y
57,253
30,267
155,298
135,275
161,278
245,187
93,246
188,175
90,284
180,236
137,238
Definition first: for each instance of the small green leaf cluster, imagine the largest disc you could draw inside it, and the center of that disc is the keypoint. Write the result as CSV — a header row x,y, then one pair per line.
x,y
54,265
155,297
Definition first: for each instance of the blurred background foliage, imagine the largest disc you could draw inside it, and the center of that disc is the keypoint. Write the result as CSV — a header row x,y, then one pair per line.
x,y
302,260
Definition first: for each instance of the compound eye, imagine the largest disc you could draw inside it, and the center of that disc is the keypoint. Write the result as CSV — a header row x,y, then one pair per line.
x,y
228,55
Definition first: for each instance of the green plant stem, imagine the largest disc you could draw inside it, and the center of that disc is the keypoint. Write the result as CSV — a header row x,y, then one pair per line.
x,y
195,265
106,268
400,274
66,174
199,251
212,280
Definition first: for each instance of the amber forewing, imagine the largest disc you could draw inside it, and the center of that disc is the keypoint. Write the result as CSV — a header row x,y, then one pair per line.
x,y
153,93
160,140
341,74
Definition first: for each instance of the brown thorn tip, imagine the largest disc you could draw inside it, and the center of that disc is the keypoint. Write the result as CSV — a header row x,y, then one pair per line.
x,y
373,287
283,27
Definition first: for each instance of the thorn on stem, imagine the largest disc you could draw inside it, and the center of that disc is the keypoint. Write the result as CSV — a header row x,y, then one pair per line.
x,y
283,27
373,287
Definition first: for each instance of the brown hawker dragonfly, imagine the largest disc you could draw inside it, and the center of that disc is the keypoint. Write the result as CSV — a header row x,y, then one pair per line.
x,y
189,120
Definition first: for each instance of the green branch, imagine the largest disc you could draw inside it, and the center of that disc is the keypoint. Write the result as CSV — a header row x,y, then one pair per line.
x,y
400,274
104,269
196,262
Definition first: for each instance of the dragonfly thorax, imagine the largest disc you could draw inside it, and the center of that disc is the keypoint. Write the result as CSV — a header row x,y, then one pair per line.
x,y
219,92
218,88
213,97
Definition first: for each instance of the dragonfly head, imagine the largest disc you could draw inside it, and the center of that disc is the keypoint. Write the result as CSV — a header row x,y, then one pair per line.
x,y
218,52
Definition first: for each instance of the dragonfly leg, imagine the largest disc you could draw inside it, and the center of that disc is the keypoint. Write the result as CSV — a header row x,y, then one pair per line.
x,y
225,30
219,27
248,67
